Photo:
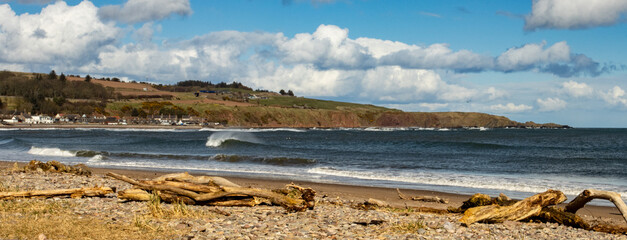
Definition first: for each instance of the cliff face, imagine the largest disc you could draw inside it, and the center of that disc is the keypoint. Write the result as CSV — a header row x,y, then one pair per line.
x,y
309,118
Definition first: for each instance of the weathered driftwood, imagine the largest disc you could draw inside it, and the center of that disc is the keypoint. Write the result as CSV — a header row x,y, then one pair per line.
x,y
74,193
186,186
524,209
203,180
558,215
295,199
590,194
135,194
421,198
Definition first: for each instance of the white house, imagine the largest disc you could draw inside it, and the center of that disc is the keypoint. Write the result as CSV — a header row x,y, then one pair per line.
x,y
39,119
14,119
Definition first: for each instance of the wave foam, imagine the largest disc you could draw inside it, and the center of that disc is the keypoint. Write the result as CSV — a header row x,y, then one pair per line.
x,y
53,152
497,183
218,138
97,158
252,130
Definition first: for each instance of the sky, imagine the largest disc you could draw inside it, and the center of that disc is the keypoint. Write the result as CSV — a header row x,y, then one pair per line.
x,y
561,61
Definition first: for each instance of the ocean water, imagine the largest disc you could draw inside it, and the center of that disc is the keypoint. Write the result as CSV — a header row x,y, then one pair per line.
x,y
517,162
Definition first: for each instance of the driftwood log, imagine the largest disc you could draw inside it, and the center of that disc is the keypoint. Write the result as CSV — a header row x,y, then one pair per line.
x,y
524,209
74,193
215,191
538,208
421,198
590,194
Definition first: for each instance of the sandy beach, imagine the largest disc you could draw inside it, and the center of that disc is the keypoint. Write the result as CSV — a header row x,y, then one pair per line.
x,y
333,216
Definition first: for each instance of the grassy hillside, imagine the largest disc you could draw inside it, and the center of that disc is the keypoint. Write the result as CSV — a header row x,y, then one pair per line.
x,y
232,104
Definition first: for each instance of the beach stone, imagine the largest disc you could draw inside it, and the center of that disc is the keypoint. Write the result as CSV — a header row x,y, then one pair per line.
x,y
376,203
449,227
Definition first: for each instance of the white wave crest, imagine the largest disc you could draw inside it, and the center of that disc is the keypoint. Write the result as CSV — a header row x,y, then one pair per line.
x,y
53,152
495,183
5,141
252,130
218,138
97,158
385,129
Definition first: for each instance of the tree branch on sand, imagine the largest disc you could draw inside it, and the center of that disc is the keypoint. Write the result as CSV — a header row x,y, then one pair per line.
x,y
215,191
539,207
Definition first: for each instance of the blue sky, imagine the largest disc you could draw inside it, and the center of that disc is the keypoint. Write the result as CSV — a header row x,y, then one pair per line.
x,y
558,61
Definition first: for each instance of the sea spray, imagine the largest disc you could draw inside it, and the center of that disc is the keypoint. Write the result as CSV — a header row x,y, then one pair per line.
x,y
218,138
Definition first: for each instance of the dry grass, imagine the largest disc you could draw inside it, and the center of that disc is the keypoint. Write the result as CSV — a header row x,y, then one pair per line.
x,y
27,218
409,227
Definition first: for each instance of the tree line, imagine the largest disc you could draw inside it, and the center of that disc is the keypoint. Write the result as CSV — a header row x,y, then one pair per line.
x,y
197,85
48,94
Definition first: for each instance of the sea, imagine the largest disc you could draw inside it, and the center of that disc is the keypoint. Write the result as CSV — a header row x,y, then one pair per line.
x,y
517,162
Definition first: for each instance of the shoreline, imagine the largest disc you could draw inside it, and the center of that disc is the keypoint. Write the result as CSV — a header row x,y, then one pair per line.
x,y
352,192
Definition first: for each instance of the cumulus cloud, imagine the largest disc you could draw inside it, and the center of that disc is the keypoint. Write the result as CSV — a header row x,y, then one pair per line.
x,y
615,96
510,108
551,104
134,11
556,59
494,93
576,89
328,47
59,35
324,63
527,56
574,14
34,2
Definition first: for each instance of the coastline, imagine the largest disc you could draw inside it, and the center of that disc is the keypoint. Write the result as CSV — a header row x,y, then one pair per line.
x,y
356,193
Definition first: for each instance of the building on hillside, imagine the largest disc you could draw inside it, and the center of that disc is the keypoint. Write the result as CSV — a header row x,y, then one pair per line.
x,y
67,118
166,119
39,119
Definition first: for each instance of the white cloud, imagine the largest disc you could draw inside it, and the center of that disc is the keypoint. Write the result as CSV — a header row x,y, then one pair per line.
x,y
35,2
307,80
576,89
574,14
615,96
325,63
394,84
436,56
510,108
134,11
328,47
60,35
433,106
430,14
494,93
529,55
551,104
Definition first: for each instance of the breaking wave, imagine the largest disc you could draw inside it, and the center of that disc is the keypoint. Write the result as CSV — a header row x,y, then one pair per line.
x,y
96,158
53,152
252,130
217,139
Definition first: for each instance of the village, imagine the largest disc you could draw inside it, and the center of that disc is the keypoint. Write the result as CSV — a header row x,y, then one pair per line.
x,y
100,119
